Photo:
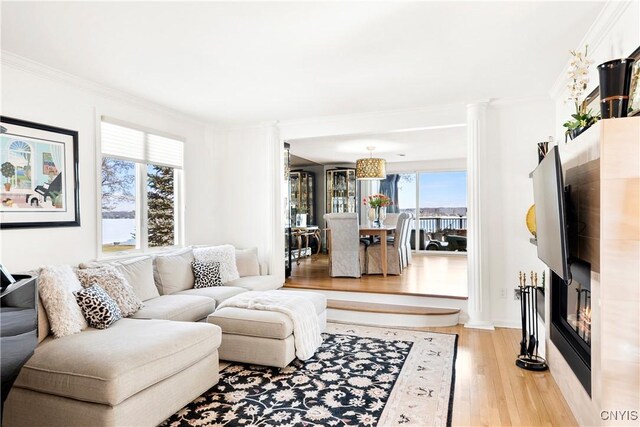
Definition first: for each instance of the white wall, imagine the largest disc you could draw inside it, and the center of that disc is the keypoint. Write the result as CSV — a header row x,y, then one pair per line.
x,y
428,165
614,34
247,180
513,130
45,96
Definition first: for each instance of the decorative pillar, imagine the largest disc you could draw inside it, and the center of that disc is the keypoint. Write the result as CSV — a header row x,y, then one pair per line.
x,y
275,215
479,304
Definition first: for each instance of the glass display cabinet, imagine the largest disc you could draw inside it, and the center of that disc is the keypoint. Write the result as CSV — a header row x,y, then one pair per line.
x,y
342,193
302,198
287,210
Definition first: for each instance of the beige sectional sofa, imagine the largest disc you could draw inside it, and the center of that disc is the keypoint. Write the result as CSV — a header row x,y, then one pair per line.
x,y
143,368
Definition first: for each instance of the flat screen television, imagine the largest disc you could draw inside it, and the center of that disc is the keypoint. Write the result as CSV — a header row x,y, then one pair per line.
x,y
551,218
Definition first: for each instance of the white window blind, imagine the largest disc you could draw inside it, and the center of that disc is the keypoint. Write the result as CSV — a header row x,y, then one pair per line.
x,y
128,143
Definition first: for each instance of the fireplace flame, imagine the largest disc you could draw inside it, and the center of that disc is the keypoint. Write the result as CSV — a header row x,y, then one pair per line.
x,y
586,315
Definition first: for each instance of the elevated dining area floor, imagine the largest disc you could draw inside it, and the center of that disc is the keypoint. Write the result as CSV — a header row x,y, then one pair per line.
x,y
427,275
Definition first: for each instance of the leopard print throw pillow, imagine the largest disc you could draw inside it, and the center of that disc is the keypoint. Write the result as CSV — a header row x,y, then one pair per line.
x,y
207,274
100,310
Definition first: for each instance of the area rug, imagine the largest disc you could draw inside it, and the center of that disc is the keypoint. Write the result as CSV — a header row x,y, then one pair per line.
x,y
360,376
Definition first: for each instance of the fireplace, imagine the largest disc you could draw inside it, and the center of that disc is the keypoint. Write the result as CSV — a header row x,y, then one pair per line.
x,y
571,320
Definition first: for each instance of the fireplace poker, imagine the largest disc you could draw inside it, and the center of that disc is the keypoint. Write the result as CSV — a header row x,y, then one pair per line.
x,y
523,342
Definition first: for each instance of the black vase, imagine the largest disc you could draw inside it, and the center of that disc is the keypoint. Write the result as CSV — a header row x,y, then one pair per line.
x,y
615,80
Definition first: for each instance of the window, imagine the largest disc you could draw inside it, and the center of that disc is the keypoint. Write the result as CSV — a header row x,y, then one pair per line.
x,y
139,189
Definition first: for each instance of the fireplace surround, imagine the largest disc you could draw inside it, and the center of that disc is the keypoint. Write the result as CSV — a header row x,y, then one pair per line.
x,y
571,320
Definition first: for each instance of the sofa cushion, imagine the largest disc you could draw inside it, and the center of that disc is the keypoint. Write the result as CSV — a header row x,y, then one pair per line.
x,y
108,366
56,285
218,293
189,308
114,284
253,323
207,274
137,271
172,272
247,262
139,274
43,322
257,283
225,255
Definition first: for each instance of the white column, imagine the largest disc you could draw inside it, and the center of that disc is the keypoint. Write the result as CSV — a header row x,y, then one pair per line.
x,y
479,306
275,233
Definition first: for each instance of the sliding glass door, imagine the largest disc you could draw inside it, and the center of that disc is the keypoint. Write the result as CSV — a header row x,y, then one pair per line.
x,y
438,202
443,211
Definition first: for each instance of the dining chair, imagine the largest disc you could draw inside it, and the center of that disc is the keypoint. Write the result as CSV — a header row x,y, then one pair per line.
x,y
406,242
346,252
394,251
391,220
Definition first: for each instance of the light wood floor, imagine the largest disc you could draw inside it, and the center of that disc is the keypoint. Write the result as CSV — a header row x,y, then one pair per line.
x,y
492,391
440,275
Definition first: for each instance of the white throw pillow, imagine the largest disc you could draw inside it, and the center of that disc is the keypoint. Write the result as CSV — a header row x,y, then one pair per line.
x,y
172,272
247,262
225,255
56,285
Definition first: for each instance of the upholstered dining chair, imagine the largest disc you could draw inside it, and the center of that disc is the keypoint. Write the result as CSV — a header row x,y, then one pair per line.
x,y
394,251
346,252
391,220
406,241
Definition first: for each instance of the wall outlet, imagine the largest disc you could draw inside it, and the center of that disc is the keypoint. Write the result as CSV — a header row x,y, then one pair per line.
x,y
516,294
503,293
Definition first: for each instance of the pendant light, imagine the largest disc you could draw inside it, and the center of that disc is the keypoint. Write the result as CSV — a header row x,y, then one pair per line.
x,y
371,168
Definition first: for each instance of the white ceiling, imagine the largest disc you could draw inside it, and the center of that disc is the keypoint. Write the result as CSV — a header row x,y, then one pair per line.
x,y
248,61
430,144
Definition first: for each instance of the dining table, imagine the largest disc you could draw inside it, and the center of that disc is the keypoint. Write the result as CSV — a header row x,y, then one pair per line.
x,y
383,231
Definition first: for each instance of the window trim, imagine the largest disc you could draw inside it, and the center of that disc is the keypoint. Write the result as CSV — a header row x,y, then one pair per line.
x,y
141,198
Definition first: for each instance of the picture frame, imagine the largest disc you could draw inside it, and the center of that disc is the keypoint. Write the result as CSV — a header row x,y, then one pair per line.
x,y
634,92
39,165
592,101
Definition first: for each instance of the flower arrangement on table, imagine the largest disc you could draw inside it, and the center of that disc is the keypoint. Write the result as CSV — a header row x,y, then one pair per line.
x,y
376,202
578,75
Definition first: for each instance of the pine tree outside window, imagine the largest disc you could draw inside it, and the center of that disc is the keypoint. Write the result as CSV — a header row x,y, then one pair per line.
x,y
139,189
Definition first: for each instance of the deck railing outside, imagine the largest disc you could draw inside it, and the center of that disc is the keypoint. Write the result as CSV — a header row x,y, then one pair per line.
x,y
433,224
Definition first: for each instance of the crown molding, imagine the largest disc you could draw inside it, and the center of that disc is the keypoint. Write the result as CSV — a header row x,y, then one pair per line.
x,y
368,115
21,63
506,102
606,19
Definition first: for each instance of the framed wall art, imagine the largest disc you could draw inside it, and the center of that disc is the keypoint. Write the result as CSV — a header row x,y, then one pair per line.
x,y
634,91
39,175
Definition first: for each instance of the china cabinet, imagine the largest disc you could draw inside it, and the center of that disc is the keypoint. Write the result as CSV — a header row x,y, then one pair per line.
x,y
341,190
302,185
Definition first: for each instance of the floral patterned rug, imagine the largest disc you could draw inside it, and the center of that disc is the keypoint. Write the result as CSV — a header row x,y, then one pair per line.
x,y
360,376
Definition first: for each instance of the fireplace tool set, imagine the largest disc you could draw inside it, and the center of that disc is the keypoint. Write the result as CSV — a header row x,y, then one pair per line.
x,y
528,357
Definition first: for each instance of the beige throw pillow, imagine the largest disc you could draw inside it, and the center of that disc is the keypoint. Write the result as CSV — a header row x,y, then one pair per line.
x,y
225,255
247,262
115,285
172,272
56,285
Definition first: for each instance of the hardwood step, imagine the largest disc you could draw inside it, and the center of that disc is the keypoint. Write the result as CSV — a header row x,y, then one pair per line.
x,y
390,308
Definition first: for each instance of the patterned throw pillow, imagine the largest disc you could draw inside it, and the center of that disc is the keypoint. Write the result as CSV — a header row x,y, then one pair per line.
x,y
100,310
115,285
225,255
207,274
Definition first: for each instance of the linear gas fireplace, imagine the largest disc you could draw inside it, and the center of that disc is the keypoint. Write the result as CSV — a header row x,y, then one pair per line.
x,y
571,320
